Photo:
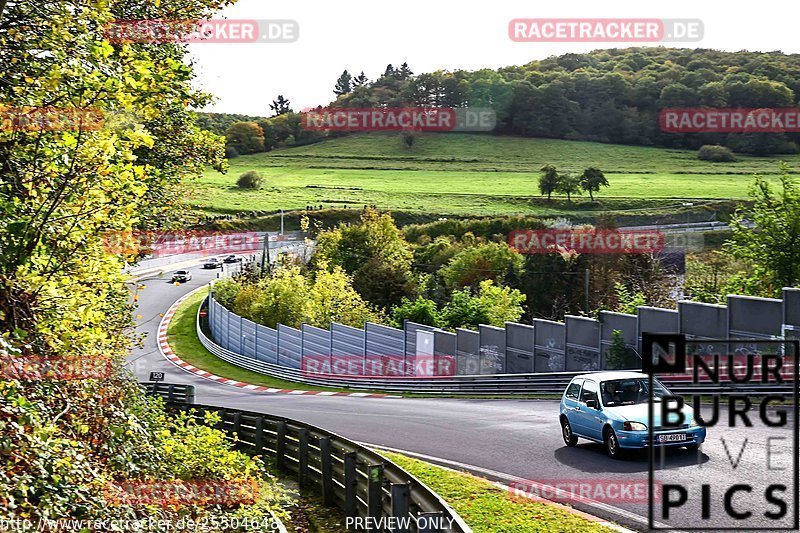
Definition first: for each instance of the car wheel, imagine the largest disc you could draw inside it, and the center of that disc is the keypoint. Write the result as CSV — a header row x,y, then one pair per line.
x,y
612,444
566,432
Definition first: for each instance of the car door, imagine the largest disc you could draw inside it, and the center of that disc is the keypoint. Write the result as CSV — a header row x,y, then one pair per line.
x,y
571,401
589,419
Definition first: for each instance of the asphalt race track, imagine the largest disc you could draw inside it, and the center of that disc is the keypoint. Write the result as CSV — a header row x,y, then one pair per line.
x,y
510,439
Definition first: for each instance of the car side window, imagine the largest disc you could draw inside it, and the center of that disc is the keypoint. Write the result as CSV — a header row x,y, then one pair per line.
x,y
574,389
589,391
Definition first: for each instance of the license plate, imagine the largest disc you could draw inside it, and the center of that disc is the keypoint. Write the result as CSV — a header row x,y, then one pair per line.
x,y
672,437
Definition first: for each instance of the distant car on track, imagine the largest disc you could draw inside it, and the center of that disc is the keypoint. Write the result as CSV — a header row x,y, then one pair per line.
x,y
212,262
612,408
232,259
181,276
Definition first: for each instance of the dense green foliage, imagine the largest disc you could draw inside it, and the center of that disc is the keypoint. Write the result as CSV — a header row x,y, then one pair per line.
x,y
715,154
252,179
610,95
767,234
375,253
291,297
245,137
220,122
62,295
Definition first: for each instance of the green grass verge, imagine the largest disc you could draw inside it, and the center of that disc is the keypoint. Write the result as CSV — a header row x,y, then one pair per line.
x,y
488,508
183,340
463,174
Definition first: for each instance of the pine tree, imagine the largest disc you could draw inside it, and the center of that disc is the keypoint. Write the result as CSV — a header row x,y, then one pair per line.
x,y
360,80
280,106
404,73
343,84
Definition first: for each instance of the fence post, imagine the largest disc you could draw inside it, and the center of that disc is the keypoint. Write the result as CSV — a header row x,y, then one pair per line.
x,y
190,394
228,331
237,428
325,449
258,439
375,491
350,485
280,446
430,522
400,497
302,457
255,341
171,392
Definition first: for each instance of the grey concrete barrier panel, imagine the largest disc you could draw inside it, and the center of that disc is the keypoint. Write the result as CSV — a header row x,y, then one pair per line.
x,y
700,321
316,341
267,342
791,313
388,345
444,352
627,325
519,348
492,349
248,338
348,344
290,342
550,345
411,329
756,318
468,352
583,344
656,320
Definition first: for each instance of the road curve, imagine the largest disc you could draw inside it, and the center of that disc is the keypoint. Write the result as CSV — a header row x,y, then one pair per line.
x,y
502,439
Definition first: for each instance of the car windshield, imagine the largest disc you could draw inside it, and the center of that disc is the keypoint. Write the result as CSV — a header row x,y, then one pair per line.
x,y
181,272
630,391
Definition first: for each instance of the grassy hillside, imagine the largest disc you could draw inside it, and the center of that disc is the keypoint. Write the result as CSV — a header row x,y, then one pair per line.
x,y
462,174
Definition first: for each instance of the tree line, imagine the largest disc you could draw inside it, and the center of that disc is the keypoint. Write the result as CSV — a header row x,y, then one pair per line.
x,y
611,96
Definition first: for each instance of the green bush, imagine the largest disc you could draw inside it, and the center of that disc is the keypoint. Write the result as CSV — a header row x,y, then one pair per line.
x,y
251,179
715,153
231,152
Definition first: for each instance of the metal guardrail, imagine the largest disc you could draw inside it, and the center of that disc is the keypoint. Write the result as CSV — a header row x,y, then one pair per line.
x,y
360,481
170,392
474,385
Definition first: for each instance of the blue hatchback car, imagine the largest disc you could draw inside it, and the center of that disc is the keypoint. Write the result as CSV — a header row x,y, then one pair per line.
x,y
612,408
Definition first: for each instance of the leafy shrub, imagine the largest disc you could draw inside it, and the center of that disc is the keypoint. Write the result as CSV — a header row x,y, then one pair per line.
x,y
226,290
251,179
715,153
421,311
231,152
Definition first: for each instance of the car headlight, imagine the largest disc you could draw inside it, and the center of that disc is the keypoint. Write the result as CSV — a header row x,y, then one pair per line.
x,y
634,426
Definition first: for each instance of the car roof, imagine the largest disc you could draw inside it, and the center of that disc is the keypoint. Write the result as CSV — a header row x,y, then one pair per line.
x,y
617,374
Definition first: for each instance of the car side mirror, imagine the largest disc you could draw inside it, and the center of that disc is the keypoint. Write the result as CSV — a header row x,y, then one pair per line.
x,y
592,404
